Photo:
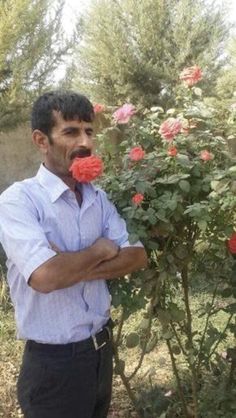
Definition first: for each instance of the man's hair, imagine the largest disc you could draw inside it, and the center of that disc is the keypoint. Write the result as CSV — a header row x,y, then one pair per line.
x,y
71,106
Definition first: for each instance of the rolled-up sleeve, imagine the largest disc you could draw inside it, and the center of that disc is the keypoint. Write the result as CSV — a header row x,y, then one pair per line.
x,y
21,234
115,227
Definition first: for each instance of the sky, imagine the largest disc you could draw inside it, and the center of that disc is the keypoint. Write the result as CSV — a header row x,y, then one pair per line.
x,y
73,8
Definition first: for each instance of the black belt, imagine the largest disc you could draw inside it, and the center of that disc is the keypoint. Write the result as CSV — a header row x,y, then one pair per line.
x,y
95,342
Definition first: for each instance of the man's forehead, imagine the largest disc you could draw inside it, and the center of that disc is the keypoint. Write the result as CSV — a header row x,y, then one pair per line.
x,y
76,121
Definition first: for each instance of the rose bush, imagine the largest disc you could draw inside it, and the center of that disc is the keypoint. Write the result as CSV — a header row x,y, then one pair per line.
x,y
179,199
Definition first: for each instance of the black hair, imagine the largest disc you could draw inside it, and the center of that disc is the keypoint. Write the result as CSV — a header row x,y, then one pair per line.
x,y
71,106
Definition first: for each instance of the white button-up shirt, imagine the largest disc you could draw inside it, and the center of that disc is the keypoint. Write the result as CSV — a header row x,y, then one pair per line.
x,y
43,210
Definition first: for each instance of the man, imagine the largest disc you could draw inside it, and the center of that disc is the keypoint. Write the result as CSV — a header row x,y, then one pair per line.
x,y
63,240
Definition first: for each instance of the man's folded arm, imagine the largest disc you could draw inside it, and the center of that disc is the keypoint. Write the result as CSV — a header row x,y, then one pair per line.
x,y
68,268
96,262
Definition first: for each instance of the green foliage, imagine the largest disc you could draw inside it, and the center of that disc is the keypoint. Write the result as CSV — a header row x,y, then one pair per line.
x,y
226,83
133,50
31,48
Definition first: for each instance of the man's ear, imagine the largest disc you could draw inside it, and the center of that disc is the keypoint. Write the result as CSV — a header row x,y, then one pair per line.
x,y
40,140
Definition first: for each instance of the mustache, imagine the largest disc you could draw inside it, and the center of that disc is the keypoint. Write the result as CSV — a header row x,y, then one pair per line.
x,y
80,153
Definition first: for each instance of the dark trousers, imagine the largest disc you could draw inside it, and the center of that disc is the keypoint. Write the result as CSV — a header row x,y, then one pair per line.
x,y
75,384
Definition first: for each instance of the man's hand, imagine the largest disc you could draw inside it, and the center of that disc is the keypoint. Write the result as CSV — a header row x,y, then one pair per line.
x,y
106,248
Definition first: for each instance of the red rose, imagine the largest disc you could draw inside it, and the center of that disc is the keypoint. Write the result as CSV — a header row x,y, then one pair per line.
x,y
98,108
231,243
170,128
86,169
191,75
206,155
172,151
136,154
137,198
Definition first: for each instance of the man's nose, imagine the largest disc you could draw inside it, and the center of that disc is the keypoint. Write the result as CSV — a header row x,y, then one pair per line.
x,y
85,141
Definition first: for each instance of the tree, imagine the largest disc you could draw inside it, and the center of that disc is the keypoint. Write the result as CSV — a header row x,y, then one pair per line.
x,y
226,84
32,45
133,50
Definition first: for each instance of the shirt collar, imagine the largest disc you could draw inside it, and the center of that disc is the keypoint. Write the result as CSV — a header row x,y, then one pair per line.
x,y
56,187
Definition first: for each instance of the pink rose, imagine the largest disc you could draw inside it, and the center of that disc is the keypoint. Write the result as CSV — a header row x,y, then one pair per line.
x,y
136,154
206,155
170,128
233,107
172,151
124,113
86,169
137,198
98,108
191,75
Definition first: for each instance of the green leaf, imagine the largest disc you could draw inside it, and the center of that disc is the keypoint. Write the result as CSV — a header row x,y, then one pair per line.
x,y
214,184
184,185
176,313
183,159
116,300
133,238
167,335
164,316
132,340
230,308
226,293
141,187
202,225
181,251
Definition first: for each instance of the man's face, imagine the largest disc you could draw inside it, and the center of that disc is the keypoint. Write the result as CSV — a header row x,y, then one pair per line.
x,y
67,140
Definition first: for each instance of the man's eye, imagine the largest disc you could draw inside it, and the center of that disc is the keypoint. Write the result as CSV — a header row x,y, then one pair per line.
x,y
71,132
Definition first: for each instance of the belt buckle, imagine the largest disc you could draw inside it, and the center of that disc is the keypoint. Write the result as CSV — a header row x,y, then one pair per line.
x,y
96,345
